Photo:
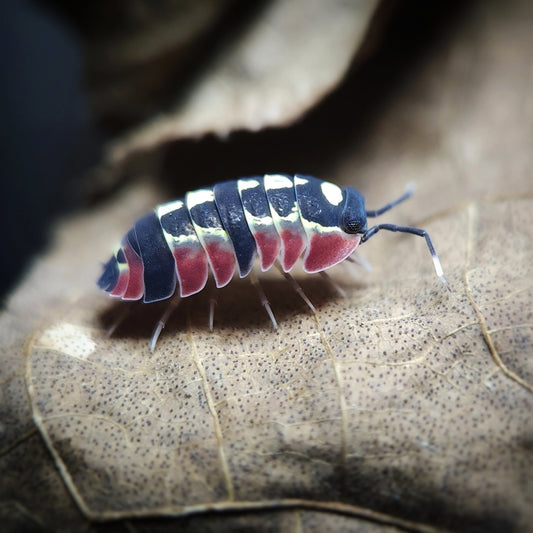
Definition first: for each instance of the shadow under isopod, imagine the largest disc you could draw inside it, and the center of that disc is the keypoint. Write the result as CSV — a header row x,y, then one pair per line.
x,y
237,306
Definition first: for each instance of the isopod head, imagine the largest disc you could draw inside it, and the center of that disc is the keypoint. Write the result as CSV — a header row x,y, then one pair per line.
x,y
353,219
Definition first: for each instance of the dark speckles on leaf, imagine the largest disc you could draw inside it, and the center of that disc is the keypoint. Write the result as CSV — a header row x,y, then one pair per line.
x,y
393,397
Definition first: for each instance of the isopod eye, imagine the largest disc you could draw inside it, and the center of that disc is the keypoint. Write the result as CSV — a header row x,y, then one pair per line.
x,y
353,226
354,214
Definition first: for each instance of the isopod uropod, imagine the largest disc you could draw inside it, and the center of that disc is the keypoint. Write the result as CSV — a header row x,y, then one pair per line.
x,y
222,227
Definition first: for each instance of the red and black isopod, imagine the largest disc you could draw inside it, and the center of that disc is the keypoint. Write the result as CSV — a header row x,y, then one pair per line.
x,y
276,216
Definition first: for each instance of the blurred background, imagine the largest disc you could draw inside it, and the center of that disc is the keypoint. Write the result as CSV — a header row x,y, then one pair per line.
x,y
76,76
110,107
48,136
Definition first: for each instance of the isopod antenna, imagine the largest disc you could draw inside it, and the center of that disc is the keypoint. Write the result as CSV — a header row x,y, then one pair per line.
x,y
409,190
405,229
414,231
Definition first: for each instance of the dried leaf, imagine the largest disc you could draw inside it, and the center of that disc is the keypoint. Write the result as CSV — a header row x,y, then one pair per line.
x,y
396,379
399,405
287,60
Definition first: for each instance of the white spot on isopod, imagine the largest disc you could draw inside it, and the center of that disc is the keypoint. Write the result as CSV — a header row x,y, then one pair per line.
x,y
245,184
277,181
169,207
331,192
201,196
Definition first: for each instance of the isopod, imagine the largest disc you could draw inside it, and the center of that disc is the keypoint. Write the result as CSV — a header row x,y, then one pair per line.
x,y
276,217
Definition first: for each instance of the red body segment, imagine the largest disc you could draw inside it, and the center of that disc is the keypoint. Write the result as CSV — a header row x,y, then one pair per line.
x,y
135,289
221,259
268,247
122,284
191,269
292,247
328,249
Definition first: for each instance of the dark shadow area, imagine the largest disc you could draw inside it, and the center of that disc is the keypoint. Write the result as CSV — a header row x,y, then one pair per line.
x,y
340,123
47,139
129,87
242,521
237,308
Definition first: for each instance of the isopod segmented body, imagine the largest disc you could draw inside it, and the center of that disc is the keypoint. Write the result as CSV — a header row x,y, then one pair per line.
x,y
224,227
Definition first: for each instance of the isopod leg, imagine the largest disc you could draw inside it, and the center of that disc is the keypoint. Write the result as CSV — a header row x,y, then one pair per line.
x,y
333,283
126,310
296,286
357,259
212,303
173,304
264,300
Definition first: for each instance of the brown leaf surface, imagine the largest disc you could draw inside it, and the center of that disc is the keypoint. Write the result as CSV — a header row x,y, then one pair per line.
x,y
400,404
